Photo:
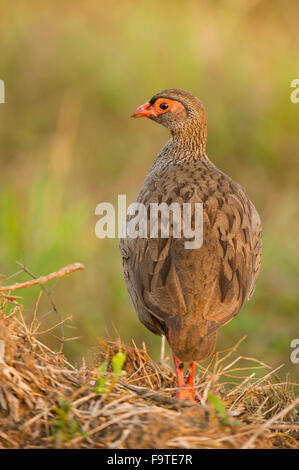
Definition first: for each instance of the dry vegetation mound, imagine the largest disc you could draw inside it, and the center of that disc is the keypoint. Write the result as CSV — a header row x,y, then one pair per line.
x,y
47,402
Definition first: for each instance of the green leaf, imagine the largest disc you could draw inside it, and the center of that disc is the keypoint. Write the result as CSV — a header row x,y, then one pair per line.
x,y
73,426
101,381
64,405
118,361
219,407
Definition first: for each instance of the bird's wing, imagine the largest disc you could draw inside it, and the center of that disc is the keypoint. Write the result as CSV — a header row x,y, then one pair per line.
x,y
201,289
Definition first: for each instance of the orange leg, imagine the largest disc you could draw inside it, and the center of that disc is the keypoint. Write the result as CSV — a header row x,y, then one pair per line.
x,y
190,372
185,393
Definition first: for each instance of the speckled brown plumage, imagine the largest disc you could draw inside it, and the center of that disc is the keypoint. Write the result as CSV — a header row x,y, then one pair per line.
x,y
188,294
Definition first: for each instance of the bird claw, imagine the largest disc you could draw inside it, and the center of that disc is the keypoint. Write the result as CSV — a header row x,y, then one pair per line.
x,y
187,394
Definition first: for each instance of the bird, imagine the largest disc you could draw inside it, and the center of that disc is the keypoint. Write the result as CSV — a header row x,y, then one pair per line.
x,y
188,294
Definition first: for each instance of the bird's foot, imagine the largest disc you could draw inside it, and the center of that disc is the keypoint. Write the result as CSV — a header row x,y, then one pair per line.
x,y
188,381
185,384
187,394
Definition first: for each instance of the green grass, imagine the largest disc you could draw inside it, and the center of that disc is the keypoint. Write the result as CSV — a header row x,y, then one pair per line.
x,y
74,74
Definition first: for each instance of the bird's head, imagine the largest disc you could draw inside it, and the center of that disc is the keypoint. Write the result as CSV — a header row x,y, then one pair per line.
x,y
178,110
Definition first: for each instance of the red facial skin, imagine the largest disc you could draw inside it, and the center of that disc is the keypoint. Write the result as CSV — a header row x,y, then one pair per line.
x,y
154,110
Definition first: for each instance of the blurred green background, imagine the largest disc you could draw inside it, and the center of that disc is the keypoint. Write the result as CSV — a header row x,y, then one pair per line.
x,y
74,72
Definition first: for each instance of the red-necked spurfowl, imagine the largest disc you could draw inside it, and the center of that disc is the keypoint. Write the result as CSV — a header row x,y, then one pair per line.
x,y
187,294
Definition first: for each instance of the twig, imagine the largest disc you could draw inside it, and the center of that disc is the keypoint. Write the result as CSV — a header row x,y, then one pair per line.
x,y
162,354
62,272
147,393
49,277
268,423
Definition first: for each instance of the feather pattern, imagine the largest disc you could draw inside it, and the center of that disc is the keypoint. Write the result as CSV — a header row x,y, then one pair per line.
x,y
190,293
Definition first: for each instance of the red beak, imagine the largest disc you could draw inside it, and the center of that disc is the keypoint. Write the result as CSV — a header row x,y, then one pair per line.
x,y
144,110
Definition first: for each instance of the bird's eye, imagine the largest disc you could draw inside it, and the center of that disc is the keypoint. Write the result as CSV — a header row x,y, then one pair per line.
x,y
163,106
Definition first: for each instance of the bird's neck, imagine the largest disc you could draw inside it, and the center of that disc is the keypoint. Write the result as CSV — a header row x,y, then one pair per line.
x,y
189,143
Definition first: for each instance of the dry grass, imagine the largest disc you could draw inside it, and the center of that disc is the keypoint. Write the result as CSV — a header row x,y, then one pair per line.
x,y
46,402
